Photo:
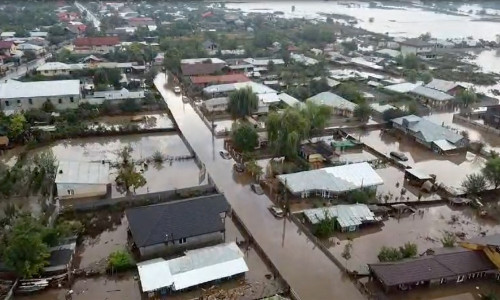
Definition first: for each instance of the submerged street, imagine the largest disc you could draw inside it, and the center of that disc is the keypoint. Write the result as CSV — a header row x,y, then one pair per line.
x,y
309,272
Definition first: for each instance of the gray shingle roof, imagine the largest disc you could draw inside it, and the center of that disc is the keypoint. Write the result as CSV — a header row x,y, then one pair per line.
x,y
441,85
432,267
428,130
150,225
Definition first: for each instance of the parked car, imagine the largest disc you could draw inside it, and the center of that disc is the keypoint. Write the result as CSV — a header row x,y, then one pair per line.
x,y
276,211
256,188
240,168
399,155
224,154
177,89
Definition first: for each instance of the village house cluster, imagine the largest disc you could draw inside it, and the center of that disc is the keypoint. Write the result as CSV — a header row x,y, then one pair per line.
x,y
196,150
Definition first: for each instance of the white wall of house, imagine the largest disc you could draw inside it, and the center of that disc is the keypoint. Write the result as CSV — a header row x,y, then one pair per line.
x,y
406,49
79,190
176,246
60,102
54,72
94,49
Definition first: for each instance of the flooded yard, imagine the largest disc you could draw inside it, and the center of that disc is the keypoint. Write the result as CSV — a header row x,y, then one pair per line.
x,y
109,233
396,189
450,170
174,174
145,121
424,230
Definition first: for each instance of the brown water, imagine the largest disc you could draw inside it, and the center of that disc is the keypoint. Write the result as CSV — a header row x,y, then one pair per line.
x,y
160,177
425,230
450,170
309,272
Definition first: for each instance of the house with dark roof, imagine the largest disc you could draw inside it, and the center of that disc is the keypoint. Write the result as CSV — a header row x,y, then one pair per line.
x,y
174,227
429,134
452,266
431,96
101,44
204,81
445,86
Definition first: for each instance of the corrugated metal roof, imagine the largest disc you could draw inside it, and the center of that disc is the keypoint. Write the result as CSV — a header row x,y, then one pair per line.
x,y
444,145
225,88
196,267
346,215
81,172
441,85
404,87
333,100
334,179
16,89
429,131
380,108
289,100
431,93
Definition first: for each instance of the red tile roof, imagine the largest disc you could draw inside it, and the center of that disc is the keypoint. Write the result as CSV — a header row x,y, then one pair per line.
x,y
6,44
219,79
97,41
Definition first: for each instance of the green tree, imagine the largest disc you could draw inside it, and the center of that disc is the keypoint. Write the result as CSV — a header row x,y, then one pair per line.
x,y
350,46
491,171
326,225
393,113
425,77
408,250
130,105
350,92
243,102
467,97
17,126
244,136
128,176
316,115
389,254
411,75
363,112
286,131
346,253
254,169
119,261
271,66
449,239
474,184
25,251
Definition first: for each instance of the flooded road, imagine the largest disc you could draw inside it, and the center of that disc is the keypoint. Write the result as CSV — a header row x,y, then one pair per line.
x,y
309,272
396,21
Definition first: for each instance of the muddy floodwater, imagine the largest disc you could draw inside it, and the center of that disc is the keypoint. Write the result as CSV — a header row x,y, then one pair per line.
x,y
394,20
175,174
450,170
311,274
424,230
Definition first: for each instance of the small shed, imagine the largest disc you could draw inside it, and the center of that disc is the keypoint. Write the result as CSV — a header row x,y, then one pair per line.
x,y
417,177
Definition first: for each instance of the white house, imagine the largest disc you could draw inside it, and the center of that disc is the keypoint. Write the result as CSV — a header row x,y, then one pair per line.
x,y
417,47
56,69
115,96
25,47
194,268
78,179
17,95
339,105
332,181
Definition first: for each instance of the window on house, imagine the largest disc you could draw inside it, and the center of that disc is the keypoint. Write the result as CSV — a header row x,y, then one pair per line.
x,y
182,241
48,100
72,99
60,100
30,101
71,192
7,103
460,278
442,281
18,101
